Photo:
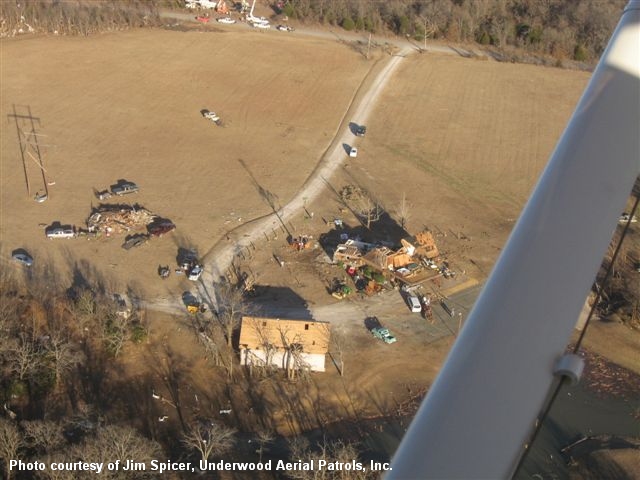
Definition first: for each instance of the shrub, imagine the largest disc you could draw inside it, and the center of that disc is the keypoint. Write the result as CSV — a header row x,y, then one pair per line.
x,y
580,53
138,333
18,389
348,24
288,10
402,24
484,38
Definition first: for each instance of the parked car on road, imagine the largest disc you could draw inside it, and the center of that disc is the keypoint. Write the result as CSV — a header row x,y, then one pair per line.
x,y
195,272
226,20
353,152
414,304
285,28
361,131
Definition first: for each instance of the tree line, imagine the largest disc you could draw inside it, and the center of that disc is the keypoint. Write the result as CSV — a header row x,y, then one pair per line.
x,y
74,18
564,29
559,29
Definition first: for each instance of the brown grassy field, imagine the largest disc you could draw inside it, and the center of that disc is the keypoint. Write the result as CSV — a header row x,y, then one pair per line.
x,y
465,141
127,106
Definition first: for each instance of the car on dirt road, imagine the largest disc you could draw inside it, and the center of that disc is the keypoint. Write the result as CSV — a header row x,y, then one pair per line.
x,y
195,272
226,20
353,153
285,28
361,131
414,303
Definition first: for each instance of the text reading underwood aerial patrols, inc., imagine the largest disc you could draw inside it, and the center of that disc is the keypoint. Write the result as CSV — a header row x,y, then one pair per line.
x,y
159,466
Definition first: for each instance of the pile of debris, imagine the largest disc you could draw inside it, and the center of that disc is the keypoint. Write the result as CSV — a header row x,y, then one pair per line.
x,y
118,219
301,243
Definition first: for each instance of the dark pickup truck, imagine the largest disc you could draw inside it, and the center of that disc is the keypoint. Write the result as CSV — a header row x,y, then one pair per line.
x,y
124,188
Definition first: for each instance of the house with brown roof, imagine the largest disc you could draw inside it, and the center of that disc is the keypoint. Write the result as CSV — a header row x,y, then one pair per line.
x,y
287,344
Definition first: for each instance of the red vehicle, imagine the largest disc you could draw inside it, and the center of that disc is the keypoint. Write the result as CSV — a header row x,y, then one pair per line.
x,y
203,19
426,307
159,229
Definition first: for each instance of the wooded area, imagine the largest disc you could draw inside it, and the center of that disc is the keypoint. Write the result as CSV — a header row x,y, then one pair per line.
x,y
564,29
65,395
561,29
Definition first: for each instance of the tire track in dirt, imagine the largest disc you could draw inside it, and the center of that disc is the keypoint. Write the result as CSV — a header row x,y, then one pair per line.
x,y
220,257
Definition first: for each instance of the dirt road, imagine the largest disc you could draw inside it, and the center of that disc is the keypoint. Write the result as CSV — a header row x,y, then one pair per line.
x,y
219,259
341,36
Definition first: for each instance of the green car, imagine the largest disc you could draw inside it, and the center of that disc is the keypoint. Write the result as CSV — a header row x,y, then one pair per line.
x,y
384,335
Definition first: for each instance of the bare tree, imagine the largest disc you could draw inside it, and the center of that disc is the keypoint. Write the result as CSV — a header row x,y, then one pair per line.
x,y
265,437
43,435
209,439
8,311
292,344
58,457
113,442
339,344
361,203
299,448
266,345
211,337
434,17
85,311
10,443
336,451
231,307
115,332
62,356
24,356
404,210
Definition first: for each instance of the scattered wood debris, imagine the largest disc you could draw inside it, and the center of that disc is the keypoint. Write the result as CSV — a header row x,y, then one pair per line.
x,y
119,219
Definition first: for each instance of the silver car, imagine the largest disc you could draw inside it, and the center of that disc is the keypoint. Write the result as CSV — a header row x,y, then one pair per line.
x,y
22,257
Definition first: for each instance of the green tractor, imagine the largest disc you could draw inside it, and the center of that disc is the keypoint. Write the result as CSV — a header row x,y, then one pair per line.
x,y
341,291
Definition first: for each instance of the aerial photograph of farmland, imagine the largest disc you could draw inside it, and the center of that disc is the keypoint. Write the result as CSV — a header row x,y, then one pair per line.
x,y
242,239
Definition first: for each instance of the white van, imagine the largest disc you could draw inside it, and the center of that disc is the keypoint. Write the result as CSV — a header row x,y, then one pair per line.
x,y
414,304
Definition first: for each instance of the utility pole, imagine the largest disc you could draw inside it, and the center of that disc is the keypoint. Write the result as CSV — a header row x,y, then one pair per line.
x,y
425,34
31,146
